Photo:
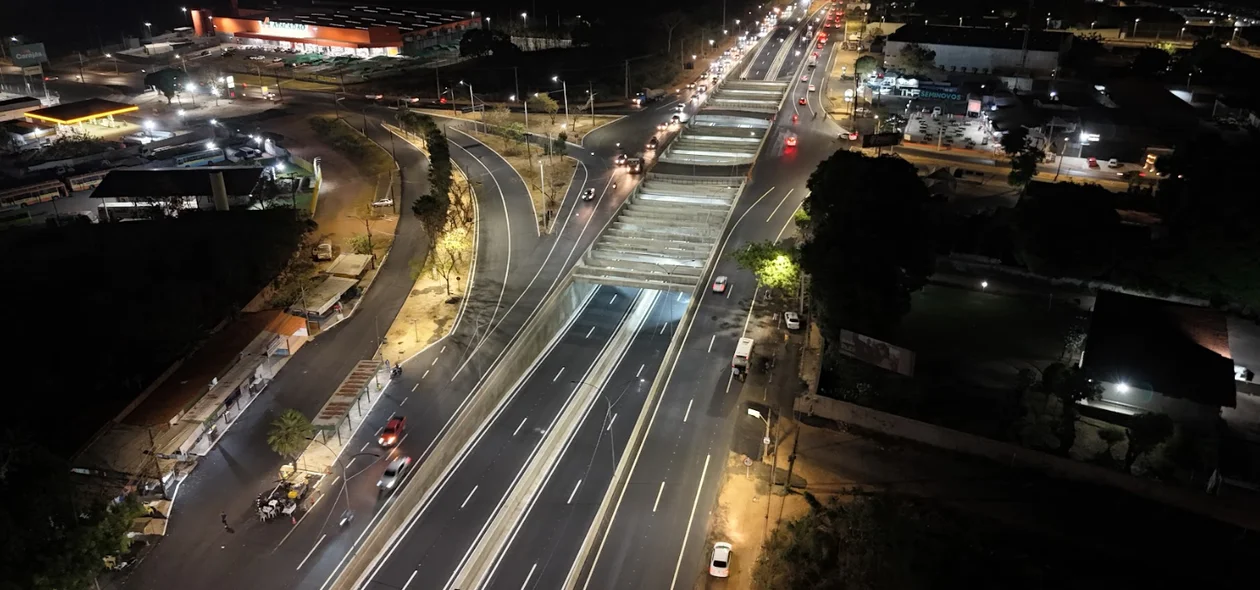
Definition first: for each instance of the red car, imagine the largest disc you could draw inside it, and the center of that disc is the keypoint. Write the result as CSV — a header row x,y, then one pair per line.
x,y
393,430
801,100
790,141
1093,162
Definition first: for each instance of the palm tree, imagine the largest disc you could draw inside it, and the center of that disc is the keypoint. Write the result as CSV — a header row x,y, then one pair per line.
x,y
290,434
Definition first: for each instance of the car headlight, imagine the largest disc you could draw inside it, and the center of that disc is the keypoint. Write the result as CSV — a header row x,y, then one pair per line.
x,y
391,483
380,482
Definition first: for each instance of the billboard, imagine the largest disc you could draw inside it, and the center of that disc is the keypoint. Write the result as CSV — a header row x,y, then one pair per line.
x,y
880,139
30,54
877,352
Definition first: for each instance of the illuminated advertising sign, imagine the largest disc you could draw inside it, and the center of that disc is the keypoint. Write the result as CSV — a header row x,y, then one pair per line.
x,y
287,29
30,54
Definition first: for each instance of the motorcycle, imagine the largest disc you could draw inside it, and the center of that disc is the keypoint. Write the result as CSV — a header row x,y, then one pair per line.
x,y
794,117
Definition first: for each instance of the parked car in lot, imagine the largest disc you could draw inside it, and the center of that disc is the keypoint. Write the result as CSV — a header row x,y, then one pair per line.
x,y
1113,163
256,58
324,251
1093,162
393,473
386,202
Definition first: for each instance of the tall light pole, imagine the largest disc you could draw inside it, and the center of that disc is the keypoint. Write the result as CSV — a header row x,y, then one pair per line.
x,y
524,20
115,60
184,9
472,101
565,87
148,28
1135,22
183,64
765,442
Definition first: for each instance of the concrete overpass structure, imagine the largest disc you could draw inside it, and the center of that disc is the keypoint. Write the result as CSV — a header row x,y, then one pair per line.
x,y
663,235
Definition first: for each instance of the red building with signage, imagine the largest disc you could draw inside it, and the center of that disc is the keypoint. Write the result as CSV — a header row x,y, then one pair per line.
x,y
360,30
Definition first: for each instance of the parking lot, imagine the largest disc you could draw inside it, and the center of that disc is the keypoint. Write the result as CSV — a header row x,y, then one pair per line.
x,y
947,131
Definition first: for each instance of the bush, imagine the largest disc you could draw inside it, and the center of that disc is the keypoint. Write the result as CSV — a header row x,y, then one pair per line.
x,y
353,145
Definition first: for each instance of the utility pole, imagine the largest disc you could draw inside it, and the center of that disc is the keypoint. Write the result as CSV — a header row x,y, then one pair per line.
x,y
627,79
437,80
591,85
517,80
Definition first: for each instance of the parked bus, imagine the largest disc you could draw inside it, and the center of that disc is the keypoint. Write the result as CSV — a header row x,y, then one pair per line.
x,y
33,193
126,211
89,180
200,158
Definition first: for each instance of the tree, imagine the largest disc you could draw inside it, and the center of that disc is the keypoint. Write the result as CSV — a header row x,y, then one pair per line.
x,y
54,536
290,434
560,146
670,21
1024,156
887,541
431,210
865,66
1145,432
1067,230
916,59
449,253
1150,62
168,82
1071,386
774,266
871,244
543,103
365,213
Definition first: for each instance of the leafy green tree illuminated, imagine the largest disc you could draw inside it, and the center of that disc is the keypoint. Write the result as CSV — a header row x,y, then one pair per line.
x,y
775,266
543,103
290,434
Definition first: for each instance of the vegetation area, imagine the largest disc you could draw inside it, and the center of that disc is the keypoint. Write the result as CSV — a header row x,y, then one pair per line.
x,y
889,541
449,229
363,152
290,434
135,297
52,537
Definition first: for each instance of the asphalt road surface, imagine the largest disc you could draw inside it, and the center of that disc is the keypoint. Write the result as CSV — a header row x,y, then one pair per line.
x,y
657,537
516,268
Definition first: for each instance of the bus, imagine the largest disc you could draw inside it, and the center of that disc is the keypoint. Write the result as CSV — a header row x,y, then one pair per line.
x,y
33,193
127,211
85,181
200,158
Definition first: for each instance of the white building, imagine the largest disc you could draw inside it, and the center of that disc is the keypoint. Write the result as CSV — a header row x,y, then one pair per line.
x,y
982,50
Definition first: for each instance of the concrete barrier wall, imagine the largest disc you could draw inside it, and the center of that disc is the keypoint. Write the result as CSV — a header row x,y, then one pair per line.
x,y
535,337
1228,510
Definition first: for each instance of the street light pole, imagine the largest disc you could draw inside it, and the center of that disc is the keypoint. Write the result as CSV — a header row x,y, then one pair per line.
x,y
115,60
565,88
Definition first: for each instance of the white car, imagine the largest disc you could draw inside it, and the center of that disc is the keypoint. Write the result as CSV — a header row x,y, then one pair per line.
x,y
805,78
256,58
386,202
682,106
393,473
588,194
791,320
719,284
720,563
812,88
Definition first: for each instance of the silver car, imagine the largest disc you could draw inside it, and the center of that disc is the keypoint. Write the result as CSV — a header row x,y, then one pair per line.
x,y
393,473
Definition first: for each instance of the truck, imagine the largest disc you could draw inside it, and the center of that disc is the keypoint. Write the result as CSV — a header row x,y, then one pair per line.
x,y
739,362
648,95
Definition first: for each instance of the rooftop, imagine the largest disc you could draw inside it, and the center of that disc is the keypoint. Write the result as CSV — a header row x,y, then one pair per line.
x,y
193,378
362,16
83,110
133,183
978,37
1177,350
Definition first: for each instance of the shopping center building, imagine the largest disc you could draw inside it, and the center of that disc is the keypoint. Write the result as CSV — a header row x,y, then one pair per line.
x,y
361,30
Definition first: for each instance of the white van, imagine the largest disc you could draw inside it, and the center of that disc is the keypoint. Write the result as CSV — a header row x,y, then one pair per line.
x,y
743,352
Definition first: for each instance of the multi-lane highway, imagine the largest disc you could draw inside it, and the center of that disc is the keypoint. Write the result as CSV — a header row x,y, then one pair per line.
x,y
516,267
657,535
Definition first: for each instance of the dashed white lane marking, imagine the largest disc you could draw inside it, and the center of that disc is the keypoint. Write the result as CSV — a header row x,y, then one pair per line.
x,y
574,492
553,379
688,414
658,496
308,553
474,490
518,426
610,423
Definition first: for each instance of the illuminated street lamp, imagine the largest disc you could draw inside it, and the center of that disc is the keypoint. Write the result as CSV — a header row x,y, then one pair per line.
x,y
111,56
148,27
525,20
765,442
1135,23
565,87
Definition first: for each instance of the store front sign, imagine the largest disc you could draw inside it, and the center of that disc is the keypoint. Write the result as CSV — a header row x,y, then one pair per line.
x,y
287,29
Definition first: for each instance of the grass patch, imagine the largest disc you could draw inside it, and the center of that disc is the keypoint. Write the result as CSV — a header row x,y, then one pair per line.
x,y
361,151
